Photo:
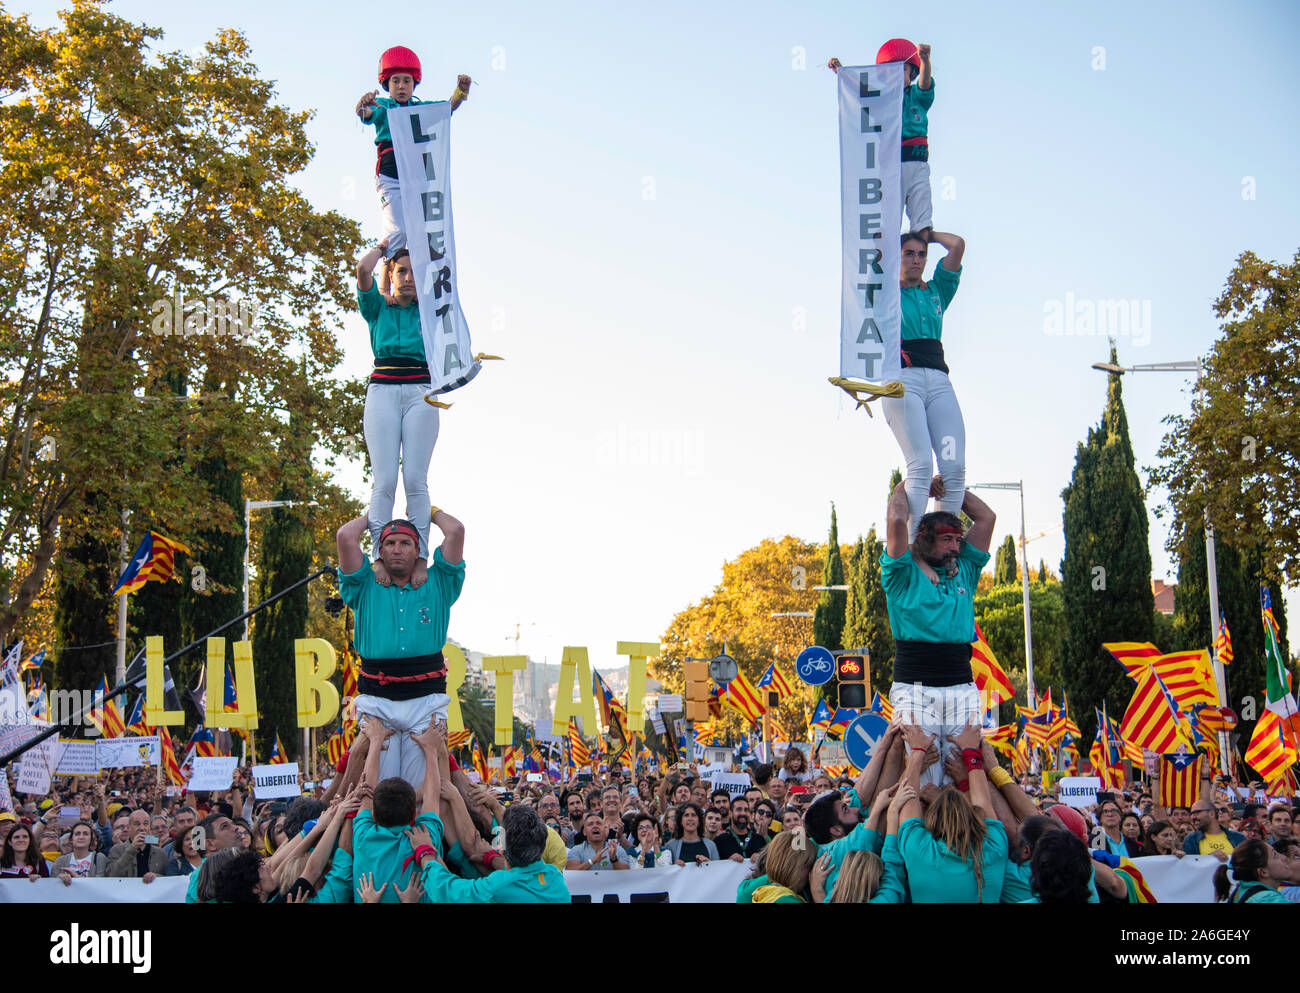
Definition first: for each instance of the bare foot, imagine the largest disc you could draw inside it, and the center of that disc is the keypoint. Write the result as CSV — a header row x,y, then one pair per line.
x,y
381,573
420,574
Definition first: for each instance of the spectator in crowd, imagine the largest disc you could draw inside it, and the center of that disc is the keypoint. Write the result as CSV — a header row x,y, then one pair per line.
x,y
21,860
1279,821
137,857
1130,826
649,852
82,861
1061,870
548,809
791,819
689,844
669,828
777,791
1250,828
186,818
739,841
720,800
821,783
1210,838
794,768
1259,871
764,813
700,793
712,824
218,835
246,878
575,810
1110,837
1162,839
1181,818
598,850
188,858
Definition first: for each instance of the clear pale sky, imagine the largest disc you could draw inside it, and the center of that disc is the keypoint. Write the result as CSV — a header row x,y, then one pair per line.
x,y
646,204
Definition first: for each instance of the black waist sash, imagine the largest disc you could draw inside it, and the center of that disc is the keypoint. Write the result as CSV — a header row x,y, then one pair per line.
x,y
922,353
403,679
932,663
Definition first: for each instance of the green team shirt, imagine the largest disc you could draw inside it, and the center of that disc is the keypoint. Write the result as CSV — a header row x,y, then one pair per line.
x,y
916,102
893,881
539,882
923,307
382,851
379,115
337,886
919,610
1016,888
402,622
935,875
394,331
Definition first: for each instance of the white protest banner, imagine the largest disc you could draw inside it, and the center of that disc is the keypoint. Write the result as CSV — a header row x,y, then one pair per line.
x,y
13,735
101,889
78,758
711,882
657,722
6,799
214,772
1170,879
833,753
128,753
422,147
37,766
1078,791
871,215
275,782
734,783
670,703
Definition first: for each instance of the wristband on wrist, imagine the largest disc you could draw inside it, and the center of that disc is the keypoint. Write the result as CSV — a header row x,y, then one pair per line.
x,y
433,512
972,759
999,777
964,785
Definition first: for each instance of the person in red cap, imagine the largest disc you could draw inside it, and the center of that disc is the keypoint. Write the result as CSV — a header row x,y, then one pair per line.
x,y
399,75
400,631
918,98
930,594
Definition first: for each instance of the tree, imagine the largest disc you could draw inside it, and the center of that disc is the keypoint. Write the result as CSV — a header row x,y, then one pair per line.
x,y
828,618
83,625
1001,615
145,197
1004,566
1106,571
866,623
1042,571
1236,458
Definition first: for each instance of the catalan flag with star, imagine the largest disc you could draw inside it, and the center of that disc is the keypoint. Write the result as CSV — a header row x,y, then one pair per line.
x,y
773,680
154,559
1180,779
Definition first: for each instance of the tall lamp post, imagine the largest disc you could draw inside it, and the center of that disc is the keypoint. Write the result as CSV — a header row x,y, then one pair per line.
x,y
249,507
1019,487
1211,566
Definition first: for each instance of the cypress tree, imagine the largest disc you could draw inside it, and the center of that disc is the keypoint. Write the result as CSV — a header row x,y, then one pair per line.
x,y
1106,571
1042,571
85,569
828,618
866,622
1004,566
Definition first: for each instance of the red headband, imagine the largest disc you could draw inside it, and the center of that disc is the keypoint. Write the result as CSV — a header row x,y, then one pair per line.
x,y
399,527
948,529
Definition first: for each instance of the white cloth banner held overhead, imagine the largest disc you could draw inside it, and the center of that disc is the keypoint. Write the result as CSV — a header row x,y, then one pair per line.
x,y
129,752
422,147
871,216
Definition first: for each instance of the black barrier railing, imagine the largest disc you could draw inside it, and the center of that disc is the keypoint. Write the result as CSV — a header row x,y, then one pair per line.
x,y
122,687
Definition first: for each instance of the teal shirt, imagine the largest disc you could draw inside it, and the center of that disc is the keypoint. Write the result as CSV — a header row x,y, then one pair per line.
x,y
921,611
379,115
539,882
192,888
935,875
337,886
860,839
394,331
745,891
923,306
1016,888
382,851
916,102
1264,895
402,622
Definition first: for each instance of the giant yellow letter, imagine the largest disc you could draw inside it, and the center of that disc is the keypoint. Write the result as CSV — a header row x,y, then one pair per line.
x,y
155,707
639,652
318,698
455,660
574,664
505,666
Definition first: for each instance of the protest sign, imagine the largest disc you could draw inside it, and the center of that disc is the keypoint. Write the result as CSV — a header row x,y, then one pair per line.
x,y
213,772
275,782
37,766
670,703
832,753
128,753
78,758
734,783
1078,791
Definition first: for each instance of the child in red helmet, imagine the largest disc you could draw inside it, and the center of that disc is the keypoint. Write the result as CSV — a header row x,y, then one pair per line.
x,y
917,100
399,74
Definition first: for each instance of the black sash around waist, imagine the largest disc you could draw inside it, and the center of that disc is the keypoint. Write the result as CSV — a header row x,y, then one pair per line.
x,y
932,663
922,353
403,679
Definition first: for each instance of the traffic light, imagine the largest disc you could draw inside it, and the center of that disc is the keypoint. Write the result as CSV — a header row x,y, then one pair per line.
x,y
851,672
696,690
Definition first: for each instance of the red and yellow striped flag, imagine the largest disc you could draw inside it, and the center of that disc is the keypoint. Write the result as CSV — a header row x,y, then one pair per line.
x,y
990,678
1271,751
1180,779
1223,643
170,765
154,559
1152,719
742,695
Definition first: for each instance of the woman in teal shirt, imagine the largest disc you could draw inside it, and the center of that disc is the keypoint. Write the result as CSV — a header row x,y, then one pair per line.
x,y
1259,870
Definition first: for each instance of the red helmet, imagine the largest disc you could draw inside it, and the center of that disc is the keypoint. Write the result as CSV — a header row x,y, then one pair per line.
x,y
898,50
398,59
1071,820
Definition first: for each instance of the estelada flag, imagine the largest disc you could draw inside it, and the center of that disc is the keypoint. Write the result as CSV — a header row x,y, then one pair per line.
x,y
168,749
1152,719
881,705
278,755
104,714
1223,643
773,680
1180,779
154,559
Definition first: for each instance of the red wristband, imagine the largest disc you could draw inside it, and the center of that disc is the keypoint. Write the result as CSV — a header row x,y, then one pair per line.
x,y
488,856
973,759
964,785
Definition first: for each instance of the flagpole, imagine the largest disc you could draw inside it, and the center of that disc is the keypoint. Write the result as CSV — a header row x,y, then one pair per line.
x,y
120,672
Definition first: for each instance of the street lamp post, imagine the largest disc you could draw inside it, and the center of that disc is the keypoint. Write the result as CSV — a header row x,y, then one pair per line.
x,y
1019,487
1211,565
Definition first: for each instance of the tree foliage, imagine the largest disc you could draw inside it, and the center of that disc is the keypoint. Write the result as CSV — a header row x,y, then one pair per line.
x,y
866,622
1000,612
828,618
1236,456
1004,565
1106,571
132,177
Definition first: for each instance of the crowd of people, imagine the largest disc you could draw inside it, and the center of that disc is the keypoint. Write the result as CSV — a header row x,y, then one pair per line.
x,y
886,836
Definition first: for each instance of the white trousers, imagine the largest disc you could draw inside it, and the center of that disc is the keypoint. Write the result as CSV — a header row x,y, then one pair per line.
x,y
402,756
938,710
400,428
390,206
928,419
916,195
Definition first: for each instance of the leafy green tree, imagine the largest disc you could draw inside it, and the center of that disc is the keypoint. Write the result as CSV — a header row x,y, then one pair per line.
x,y
1042,571
1000,612
1004,565
828,618
866,622
133,179
1106,571
84,631
1236,457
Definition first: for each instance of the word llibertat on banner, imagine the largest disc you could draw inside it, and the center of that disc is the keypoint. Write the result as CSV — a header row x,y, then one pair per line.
x,y
422,146
871,215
